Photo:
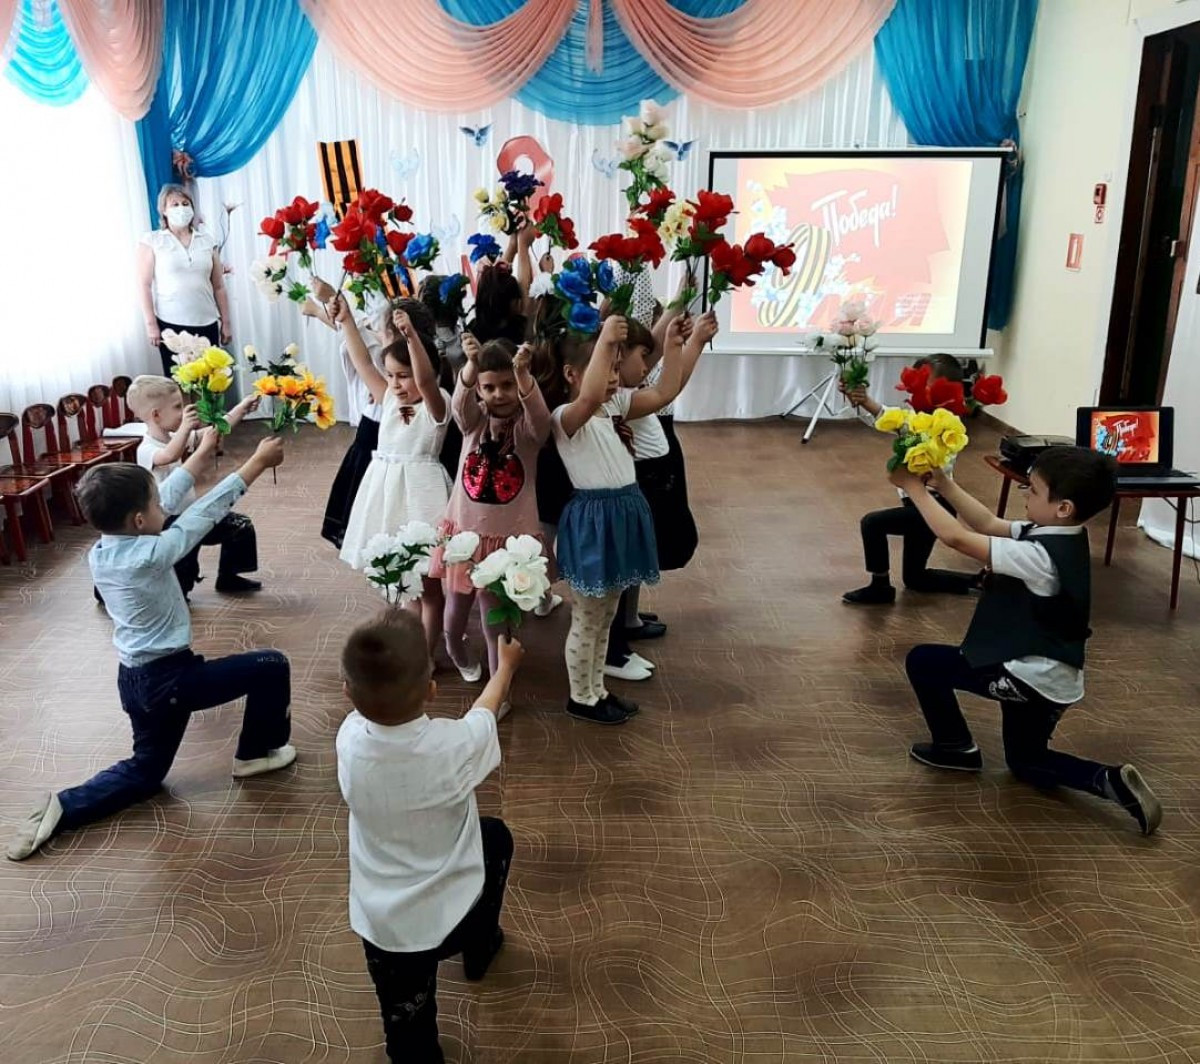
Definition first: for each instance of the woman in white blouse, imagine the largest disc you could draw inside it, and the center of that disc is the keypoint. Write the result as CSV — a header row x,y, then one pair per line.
x,y
181,282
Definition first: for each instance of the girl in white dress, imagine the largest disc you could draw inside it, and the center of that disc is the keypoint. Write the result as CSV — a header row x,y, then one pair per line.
x,y
406,480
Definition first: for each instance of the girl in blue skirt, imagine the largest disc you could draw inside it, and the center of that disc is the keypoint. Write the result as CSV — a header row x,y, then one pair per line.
x,y
606,534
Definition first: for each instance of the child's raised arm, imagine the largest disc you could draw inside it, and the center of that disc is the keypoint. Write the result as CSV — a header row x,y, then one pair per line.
x,y
422,366
693,346
375,381
246,406
647,400
174,451
464,404
534,422
594,387
973,544
971,512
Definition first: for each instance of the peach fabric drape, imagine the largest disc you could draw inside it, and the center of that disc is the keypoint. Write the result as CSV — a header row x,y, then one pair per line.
x,y
8,16
764,52
433,61
120,44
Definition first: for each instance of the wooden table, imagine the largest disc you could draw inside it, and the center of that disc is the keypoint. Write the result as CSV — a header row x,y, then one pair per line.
x,y
1181,495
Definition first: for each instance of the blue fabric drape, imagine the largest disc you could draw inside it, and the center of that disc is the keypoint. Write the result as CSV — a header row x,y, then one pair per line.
x,y
230,71
954,69
44,63
564,87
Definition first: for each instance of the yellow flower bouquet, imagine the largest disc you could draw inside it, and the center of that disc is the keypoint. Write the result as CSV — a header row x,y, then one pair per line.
x,y
206,379
924,442
297,398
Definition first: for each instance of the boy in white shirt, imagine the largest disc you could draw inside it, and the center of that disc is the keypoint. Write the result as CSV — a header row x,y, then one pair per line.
x,y
1025,645
427,873
169,427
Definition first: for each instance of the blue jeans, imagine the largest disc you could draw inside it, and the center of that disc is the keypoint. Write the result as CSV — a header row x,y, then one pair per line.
x,y
160,698
1028,720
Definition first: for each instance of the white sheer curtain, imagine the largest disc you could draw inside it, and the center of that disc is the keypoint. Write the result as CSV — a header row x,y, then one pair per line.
x,y
427,159
74,206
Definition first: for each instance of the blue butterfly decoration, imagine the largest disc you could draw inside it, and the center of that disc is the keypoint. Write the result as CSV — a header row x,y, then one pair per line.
x,y
681,150
480,135
450,231
608,167
406,165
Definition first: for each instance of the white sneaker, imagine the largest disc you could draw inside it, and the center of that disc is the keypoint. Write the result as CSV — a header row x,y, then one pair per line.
x,y
281,757
545,608
645,663
471,672
629,671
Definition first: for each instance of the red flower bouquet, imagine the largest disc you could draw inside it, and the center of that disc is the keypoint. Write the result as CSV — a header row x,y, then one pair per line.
x,y
735,265
549,220
631,253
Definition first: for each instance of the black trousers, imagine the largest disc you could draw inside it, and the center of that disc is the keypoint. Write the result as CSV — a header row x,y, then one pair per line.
x,y
937,672
406,983
906,521
212,333
236,537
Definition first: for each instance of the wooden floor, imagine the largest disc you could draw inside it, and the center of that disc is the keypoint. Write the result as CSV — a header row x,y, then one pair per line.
x,y
750,871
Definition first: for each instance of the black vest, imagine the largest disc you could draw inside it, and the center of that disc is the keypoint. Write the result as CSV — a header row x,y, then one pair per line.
x,y
1011,622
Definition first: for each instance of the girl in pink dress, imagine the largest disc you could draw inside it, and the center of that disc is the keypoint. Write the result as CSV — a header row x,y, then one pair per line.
x,y
504,421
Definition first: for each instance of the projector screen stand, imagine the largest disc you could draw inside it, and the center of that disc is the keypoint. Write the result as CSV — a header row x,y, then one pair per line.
x,y
825,386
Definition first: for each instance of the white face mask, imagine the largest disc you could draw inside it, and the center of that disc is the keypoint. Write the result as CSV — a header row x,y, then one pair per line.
x,y
180,216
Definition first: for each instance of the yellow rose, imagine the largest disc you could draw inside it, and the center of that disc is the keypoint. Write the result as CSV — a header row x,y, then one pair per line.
x,y
943,420
919,459
325,415
922,423
215,358
266,386
954,439
290,387
938,454
892,419
219,380
189,372
481,195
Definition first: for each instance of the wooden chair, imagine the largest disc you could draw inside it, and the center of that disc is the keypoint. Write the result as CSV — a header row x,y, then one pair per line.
x,y
99,403
83,453
118,412
60,471
22,494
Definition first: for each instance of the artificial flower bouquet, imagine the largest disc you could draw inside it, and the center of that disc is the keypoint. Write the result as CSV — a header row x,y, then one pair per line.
x,y
644,156
295,229
205,379
507,206
516,575
397,563
632,253
549,220
927,393
924,441
375,246
850,343
452,294
734,265
296,396
578,286
483,246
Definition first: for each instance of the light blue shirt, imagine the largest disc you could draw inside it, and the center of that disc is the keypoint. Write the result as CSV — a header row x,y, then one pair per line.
x,y
135,574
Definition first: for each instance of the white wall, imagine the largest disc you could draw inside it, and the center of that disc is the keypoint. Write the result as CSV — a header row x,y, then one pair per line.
x,y
1075,133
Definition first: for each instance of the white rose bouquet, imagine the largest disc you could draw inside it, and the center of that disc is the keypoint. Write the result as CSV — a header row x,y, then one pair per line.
x,y
851,344
397,563
516,574
643,155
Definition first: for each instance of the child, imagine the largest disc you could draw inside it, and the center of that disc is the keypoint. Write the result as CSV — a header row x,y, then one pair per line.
x,y
662,483
169,427
161,681
1025,645
447,326
406,481
606,535
427,872
904,521
504,421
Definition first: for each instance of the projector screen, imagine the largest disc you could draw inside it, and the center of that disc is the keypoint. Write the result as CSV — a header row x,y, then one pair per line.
x,y
908,232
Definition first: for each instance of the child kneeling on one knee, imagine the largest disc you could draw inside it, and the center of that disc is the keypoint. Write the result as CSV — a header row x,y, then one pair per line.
x,y
161,681
427,873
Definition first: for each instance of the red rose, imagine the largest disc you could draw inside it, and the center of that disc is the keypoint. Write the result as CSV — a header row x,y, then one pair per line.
x,y
989,391
401,212
272,227
761,247
354,263
608,247
784,258
567,228
374,204
547,206
913,379
656,206
649,243
398,242
732,260
712,209
948,394
352,231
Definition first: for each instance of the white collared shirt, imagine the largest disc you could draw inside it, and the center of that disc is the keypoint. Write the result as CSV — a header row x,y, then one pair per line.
x,y
1030,562
416,850
183,291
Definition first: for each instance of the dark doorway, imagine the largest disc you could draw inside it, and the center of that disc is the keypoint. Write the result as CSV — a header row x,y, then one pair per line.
x,y
1164,168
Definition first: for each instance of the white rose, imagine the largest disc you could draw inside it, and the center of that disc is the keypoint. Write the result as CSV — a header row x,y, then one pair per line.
x,y
650,113
379,546
866,327
525,585
418,533
870,343
657,131
275,263
656,168
250,353
634,126
292,350
460,548
259,272
543,285
523,548
491,569
853,311
632,149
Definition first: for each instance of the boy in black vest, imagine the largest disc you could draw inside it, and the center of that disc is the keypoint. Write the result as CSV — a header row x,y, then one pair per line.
x,y
1025,645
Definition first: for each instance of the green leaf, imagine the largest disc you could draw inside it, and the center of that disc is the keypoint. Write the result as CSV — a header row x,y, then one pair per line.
x,y
302,411
894,462
496,616
297,293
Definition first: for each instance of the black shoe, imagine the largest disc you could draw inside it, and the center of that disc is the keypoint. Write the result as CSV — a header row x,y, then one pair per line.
x,y
643,617
233,585
969,760
646,630
1130,790
629,708
871,595
603,712
475,966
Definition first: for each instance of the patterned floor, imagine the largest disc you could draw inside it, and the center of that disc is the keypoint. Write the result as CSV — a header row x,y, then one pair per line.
x,y
751,871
